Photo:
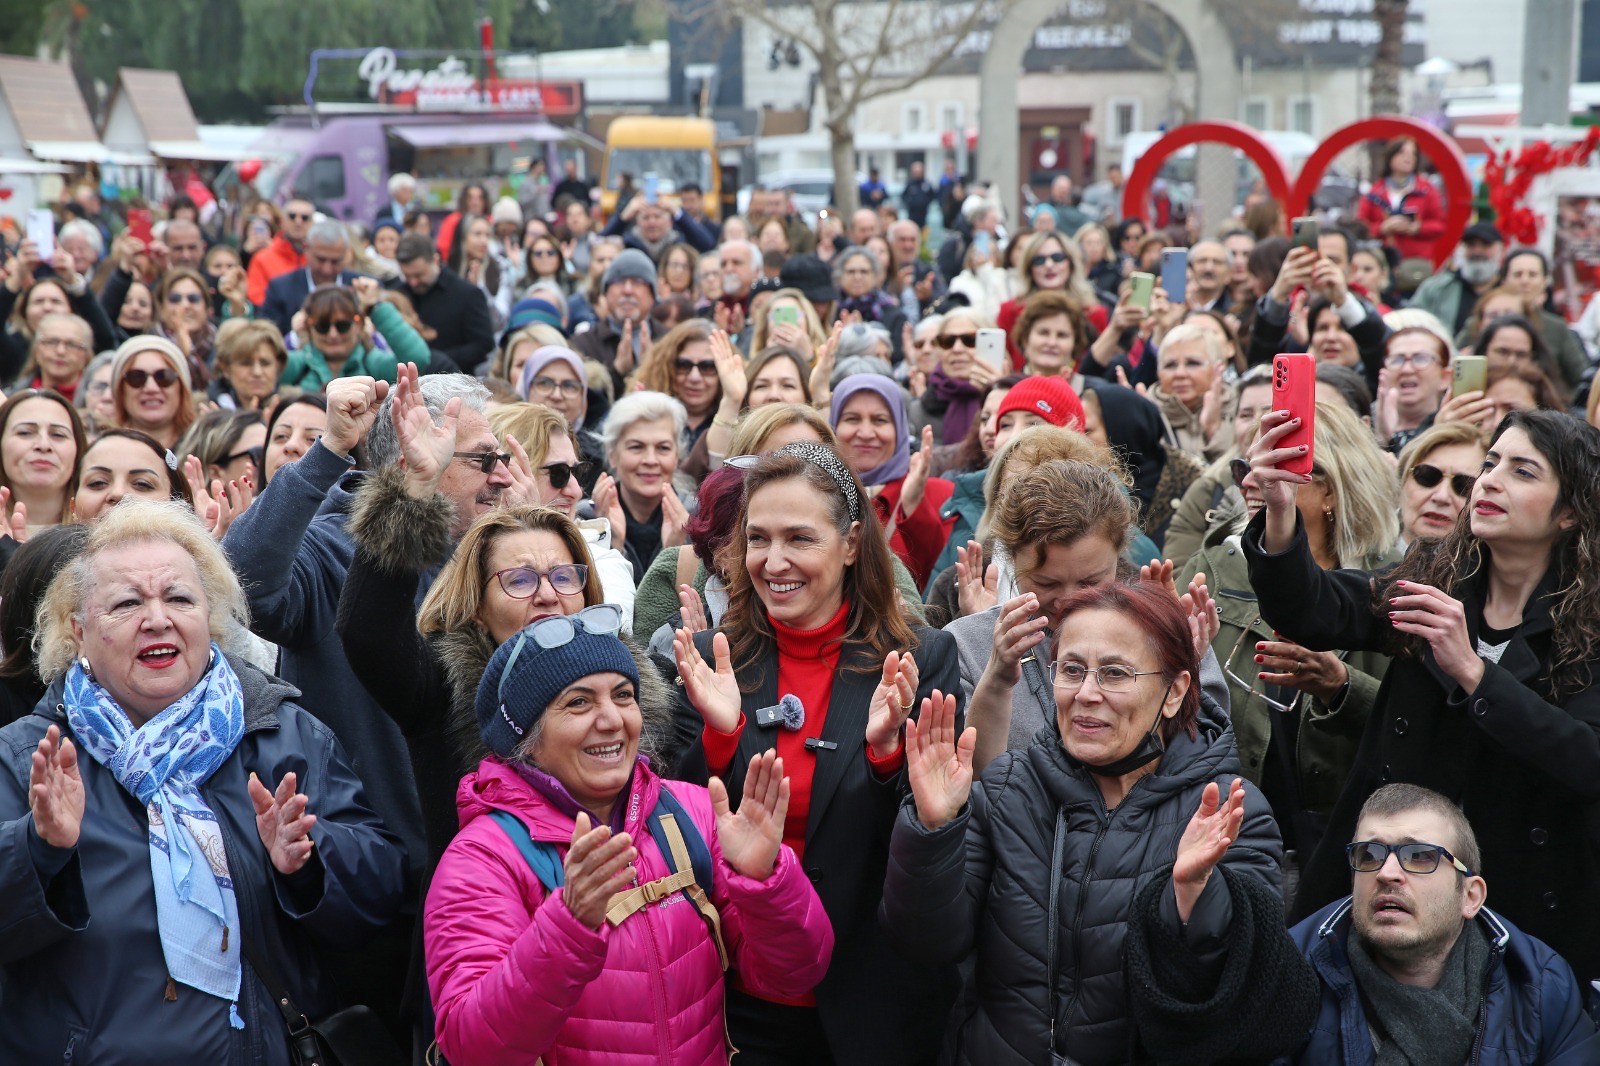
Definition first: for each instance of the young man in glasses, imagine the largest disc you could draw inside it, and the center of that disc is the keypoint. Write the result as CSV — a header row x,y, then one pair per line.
x,y
1411,967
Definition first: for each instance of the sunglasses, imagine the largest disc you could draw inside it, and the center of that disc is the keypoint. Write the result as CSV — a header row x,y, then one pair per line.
x,y
707,367
166,377
296,216
557,631
1429,476
341,326
522,582
485,461
561,473
544,253
1047,257
252,454
1368,857
950,340
194,298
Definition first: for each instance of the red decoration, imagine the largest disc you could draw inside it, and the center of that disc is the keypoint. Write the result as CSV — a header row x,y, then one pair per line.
x,y
1509,179
249,169
1444,153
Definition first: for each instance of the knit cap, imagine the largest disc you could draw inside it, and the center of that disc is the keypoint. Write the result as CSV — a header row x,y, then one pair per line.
x,y
523,676
1051,398
629,263
150,342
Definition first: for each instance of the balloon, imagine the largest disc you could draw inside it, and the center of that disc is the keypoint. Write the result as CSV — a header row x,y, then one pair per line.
x,y
249,169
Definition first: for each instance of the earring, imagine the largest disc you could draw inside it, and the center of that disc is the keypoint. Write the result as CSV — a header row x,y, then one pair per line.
x,y
83,663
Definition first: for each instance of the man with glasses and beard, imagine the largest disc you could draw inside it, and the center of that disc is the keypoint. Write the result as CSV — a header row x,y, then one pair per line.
x,y
286,252
1410,969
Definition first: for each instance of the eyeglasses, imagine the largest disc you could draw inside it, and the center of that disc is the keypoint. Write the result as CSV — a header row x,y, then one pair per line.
x,y
296,216
544,253
950,340
62,344
166,377
522,582
252,454
1250,686
1429,476
485,461
548,386
1401,360
341,326
1111,677
1369,856
561,473
558,630
707,367
195,298
1047,257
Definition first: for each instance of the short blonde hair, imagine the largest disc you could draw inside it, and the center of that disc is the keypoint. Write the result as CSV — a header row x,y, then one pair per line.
x,y
533,425
537,334
137,521
239,337
759,423
1191,333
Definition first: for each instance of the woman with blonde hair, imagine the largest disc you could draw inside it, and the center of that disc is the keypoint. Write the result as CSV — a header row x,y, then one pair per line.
x,y
1297,713
151,388
806,335
1051,262
250,358
1189,391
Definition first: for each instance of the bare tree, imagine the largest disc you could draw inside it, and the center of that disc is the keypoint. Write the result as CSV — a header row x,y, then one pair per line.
x,y
862,52
1384,89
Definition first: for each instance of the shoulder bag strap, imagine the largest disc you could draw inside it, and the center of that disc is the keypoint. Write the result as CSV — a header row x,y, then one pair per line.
x,y
303,1043
1057,862
540,856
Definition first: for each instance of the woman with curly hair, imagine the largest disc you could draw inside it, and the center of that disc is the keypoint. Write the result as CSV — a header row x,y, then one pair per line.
x,y
1491,697
682,365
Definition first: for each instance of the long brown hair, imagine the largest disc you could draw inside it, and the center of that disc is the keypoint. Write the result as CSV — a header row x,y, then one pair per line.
x,y
876,624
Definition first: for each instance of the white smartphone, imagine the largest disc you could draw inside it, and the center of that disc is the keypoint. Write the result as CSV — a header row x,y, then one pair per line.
x,y
42,232
992,348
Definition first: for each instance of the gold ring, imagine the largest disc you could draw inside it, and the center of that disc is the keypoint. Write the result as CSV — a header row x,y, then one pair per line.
x,y
908,706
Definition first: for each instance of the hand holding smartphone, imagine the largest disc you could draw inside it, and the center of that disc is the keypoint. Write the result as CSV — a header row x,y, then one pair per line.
x,y
1305,233
991,348
1469,373
1175,273
1294,389
1142,287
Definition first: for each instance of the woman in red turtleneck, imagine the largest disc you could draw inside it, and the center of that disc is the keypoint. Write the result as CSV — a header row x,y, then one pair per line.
x,y
813,614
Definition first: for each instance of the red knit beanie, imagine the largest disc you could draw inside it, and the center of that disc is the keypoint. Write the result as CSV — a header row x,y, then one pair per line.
x,y
1051,398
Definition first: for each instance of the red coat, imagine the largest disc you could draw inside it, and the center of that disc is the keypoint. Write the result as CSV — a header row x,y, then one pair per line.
x,y
919,538
1422,199
275,259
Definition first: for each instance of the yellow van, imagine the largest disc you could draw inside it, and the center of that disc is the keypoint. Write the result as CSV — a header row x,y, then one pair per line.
x,y
663,155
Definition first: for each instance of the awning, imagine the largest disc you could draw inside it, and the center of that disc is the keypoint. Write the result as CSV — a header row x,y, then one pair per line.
x,y
459,134
31,166
70,151
130,159
200,152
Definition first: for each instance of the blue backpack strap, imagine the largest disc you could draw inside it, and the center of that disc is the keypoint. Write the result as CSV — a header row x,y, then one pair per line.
x,y
699,853
541,856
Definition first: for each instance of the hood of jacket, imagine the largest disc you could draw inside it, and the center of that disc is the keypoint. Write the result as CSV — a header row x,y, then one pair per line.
x,y
497,786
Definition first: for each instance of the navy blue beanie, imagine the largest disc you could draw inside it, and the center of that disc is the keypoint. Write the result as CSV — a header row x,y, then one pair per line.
x,y
522,678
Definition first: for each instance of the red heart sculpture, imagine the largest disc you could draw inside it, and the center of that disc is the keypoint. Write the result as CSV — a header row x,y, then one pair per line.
x,y
1443,151
5,194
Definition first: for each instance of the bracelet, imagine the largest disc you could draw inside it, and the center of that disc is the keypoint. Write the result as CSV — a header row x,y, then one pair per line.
x,y
718,420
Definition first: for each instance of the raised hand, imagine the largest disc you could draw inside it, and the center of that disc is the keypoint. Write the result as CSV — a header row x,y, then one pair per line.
x,y
234,288
608,505
730,371
1158,575
1211,406
368,291
55,790
65,269
674,519
425,447
938,763
1276,487
1204,621
916,481
16,517
524,487
822,370
891,704
712,692
352,409
751,838
976,584
228,503
597,867
283,823
624,358
1473,406
692,610
1215,825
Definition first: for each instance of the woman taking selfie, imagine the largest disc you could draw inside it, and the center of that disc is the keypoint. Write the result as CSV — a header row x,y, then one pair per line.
x,y
1490,698
813,617
1132,790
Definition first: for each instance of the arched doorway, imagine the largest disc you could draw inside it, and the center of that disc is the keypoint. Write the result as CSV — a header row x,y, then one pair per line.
x,y
1216,73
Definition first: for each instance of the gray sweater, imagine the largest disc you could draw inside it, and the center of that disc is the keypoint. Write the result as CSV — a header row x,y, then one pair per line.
x,y
975,640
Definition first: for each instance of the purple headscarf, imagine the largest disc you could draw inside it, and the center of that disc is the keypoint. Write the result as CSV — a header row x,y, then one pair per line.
x,y
897,465
543,357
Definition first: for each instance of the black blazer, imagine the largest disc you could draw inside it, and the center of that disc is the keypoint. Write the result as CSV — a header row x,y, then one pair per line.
x,y
1523,766
287,293
876,1007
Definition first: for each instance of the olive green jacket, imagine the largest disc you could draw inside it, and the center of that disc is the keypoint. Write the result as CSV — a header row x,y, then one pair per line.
x,y
1328,736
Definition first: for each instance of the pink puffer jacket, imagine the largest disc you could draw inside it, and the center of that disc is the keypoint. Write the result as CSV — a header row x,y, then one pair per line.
x,y
515,977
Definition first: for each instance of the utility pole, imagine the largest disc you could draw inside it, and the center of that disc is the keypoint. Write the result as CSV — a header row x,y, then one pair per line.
x,y
1549,59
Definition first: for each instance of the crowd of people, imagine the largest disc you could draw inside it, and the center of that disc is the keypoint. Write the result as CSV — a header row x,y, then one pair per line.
x,y
578,640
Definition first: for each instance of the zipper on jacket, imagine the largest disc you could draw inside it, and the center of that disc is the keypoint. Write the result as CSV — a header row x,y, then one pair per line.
x,y
1483,1008
658,989
1077,919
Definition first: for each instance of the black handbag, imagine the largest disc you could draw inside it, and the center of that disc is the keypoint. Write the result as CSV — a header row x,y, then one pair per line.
x,y
351,1037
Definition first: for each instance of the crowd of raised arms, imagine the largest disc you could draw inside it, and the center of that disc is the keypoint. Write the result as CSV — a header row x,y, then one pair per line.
x,y
838,639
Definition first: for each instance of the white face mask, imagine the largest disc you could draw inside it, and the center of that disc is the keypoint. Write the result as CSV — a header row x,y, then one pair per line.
x,y
1478,271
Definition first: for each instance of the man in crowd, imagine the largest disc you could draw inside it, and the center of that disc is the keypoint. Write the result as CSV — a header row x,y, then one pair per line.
x,y
872,191
1103,199
864,225
905,241
286,251
1209,275
186,245
1241,284
1451,294
1527,271
327,252
571,187
653,228
918,195
1333,244
454,308
402,191
580,234
619,341
1068,217
693,200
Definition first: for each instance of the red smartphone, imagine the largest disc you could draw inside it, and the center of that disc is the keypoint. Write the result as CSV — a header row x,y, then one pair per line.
x,y
139,222
1294,389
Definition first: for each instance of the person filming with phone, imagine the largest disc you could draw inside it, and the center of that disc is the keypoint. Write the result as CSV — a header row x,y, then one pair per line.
x,y
1490,697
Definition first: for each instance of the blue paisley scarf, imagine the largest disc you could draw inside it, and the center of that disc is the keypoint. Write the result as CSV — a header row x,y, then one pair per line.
x,y
163,763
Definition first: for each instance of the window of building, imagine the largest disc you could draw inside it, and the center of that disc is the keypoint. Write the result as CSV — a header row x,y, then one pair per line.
x,y
1256,111
1303,115
1122,118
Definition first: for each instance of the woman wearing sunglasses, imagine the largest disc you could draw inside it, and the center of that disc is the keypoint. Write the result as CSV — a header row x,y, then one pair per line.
x,y
229,445
337,346
683,365
1050,262
1437,470
956,387
183,316
1491,695
153,391
567,795
815,658
1297,713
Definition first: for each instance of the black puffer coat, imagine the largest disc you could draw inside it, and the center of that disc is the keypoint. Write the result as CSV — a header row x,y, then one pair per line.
x,y
982,883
